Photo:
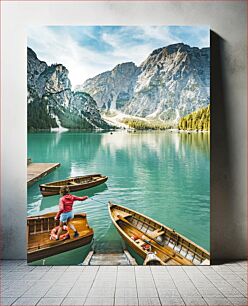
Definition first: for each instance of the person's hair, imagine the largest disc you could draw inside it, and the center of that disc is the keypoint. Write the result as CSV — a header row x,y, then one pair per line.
x,y
64,190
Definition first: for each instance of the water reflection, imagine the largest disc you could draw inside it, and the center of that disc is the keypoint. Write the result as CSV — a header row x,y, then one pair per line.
x,y
65,148
161,174
196,141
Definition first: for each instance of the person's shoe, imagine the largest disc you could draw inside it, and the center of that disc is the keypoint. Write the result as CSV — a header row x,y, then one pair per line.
x,y
76,234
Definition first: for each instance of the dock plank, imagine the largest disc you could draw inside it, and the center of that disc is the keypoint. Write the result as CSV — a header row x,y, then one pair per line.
x,y
109,259
35,171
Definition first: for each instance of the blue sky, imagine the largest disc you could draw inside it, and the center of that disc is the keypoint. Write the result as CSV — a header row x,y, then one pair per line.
x,y
89,50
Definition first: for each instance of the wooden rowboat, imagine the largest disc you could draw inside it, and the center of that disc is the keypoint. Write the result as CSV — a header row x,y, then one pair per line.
x,y
38,231
74,183
156,243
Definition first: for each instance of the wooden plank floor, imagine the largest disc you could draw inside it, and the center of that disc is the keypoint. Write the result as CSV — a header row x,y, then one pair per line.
x,y
35,171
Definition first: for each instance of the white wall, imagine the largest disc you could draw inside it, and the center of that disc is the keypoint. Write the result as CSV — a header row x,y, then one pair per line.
x,y
229,96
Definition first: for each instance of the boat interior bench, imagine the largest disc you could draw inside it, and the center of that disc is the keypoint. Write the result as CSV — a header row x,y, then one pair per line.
x,y
158,232
122,214
73,183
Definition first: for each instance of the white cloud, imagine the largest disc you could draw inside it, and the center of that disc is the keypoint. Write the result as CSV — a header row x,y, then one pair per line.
x,y
123,52
83,62
147,39
204,40
161,34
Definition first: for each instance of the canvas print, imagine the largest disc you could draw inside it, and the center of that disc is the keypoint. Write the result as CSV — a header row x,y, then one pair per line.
x,y
118,121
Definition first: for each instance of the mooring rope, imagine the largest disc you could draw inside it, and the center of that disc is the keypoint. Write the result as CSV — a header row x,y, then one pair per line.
x,y
97,201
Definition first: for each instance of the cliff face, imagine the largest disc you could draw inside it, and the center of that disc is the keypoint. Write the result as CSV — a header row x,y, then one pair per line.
x,y
52,103
172,82
112,89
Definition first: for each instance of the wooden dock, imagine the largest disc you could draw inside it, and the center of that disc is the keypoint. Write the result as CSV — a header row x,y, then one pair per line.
x,y
109,259
35,171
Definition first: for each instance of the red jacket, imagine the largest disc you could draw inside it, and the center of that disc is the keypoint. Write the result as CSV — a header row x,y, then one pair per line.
x,y
66,203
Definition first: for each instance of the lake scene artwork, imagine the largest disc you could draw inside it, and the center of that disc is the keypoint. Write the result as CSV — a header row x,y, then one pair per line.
x,y
118,145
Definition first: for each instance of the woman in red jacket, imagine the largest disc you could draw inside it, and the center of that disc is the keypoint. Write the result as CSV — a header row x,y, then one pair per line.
x,y
65,213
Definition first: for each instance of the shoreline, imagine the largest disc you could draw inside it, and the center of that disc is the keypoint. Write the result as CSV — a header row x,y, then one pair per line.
x,y
118,129
189,131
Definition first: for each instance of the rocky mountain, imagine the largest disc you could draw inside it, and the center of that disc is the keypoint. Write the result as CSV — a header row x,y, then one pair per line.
x,y
113,89
52,103
171,83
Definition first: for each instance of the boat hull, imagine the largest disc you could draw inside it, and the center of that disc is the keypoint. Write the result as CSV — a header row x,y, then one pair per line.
x,y
71,257
50,190
41,254
39,230
146,236
132,245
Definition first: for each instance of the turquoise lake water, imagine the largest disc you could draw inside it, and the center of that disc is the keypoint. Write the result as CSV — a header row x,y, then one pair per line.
x,y
160,174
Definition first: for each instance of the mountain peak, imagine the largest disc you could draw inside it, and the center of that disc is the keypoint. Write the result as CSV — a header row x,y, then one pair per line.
x,y
31,52
32,56
171,82
52,103
174,48
112,89
128,68
126,64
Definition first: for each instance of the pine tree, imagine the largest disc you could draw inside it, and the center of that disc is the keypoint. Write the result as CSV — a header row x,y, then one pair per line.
x,y
198,120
